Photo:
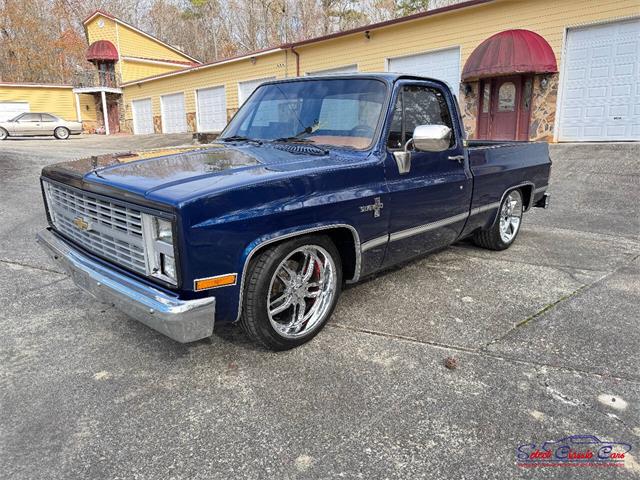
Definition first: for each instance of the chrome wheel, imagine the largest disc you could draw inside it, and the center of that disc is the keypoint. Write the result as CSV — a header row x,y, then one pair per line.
x,y
302,291
3,134
510,216
61,133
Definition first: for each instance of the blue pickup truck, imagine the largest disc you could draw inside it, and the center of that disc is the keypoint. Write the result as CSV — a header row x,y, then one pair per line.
x,y
315,182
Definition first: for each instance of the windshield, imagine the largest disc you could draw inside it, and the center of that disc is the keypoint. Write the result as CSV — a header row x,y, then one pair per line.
x,y
339,112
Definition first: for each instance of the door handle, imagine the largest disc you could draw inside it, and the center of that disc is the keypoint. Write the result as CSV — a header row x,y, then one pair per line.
x,y
456,158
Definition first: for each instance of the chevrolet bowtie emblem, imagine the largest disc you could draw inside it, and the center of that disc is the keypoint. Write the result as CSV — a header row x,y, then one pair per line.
x,y
375,208
81,224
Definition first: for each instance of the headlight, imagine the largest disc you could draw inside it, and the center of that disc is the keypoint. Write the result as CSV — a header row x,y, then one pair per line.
x,y
159,249
164,230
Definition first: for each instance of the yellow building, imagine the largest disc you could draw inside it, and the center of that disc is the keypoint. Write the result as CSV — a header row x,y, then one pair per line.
x,y
118,52
522,69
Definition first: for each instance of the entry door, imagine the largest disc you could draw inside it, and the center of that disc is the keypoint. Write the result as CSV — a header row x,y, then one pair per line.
x,y
113,116
504,108
174,118
429,205
142,116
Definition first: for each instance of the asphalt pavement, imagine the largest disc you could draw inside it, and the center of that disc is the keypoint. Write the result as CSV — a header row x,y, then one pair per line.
x,y
544,338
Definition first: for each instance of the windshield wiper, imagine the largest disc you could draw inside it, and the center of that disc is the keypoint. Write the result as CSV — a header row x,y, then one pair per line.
x,y
294,139
240,138
298,137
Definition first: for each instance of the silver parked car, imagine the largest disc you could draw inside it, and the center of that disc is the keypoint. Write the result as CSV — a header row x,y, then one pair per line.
x,y
35,124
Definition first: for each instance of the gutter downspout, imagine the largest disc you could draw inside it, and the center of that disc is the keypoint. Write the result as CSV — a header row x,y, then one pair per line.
x,y
293,50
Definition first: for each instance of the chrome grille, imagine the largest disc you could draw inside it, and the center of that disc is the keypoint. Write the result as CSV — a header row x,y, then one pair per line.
x,y
111,231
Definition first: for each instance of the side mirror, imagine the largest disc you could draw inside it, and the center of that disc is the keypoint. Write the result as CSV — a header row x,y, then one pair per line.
x,y
431,138
426,138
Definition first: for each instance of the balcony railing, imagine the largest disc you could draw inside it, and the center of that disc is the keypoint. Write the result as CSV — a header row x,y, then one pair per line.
x,y
96,78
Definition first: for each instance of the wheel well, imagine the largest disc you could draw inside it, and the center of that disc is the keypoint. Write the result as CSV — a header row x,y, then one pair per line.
x,y
527,195
342,238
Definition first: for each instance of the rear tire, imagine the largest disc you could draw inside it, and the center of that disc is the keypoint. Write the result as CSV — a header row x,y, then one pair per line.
x,y
290,291
61,133
3,134
506,226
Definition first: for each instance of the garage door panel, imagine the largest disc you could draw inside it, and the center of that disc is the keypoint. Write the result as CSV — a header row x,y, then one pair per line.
x,y
212,109
601,83
174,118
142,117
8,110
336,71
245,89
442,65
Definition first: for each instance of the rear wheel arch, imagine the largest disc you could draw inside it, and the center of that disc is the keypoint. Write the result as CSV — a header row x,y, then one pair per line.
x,y
527,194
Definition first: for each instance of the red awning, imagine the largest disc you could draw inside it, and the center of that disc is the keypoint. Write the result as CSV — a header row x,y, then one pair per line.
x,y
102,50
509,52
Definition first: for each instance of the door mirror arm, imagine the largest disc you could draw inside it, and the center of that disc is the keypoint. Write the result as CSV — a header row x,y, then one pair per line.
x,y
403,158
426,138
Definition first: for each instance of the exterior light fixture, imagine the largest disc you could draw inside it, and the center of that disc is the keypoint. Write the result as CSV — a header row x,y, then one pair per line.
x,y
543,83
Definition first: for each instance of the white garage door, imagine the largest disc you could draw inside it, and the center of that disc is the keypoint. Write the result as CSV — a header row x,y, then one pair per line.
x,y
441,65
332,71
142,116
601,83
212,109
174,118
245,89
8,110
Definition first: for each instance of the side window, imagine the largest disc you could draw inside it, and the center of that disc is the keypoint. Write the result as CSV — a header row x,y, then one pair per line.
x,y
30,117
417,105
48,118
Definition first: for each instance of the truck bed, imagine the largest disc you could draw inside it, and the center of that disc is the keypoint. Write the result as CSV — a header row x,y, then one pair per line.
x,y
499,165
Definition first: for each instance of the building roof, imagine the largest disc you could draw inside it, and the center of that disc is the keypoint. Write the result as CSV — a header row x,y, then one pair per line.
x,y
508,52
365,28
128,25
388,23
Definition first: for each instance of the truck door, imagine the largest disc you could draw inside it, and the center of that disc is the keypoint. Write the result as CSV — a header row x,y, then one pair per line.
x,y
429,203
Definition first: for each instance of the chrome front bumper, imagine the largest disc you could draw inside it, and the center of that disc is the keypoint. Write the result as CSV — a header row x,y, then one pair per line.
x,y
181,320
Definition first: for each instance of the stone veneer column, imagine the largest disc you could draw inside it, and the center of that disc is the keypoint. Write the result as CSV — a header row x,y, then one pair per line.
x,y
543,107
469,108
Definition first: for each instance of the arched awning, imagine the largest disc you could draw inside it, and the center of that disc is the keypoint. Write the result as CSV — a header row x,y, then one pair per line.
x,y
510,52
102,50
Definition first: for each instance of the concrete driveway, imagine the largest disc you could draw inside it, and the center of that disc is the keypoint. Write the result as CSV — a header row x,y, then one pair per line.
x,y
546,336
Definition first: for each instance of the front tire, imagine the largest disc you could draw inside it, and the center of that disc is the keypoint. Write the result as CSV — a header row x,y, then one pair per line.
x,y
61,133
506,227
291,290
3,134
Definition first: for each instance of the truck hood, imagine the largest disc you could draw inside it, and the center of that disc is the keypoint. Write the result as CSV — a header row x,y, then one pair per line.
x,y
176,175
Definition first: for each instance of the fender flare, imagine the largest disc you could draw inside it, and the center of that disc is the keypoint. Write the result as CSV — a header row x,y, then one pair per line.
x,y
265,240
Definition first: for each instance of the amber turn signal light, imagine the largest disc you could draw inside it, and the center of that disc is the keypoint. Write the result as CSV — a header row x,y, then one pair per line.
x,y
215,282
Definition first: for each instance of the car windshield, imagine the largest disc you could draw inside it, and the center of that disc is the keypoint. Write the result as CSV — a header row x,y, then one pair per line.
x,y
335,112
